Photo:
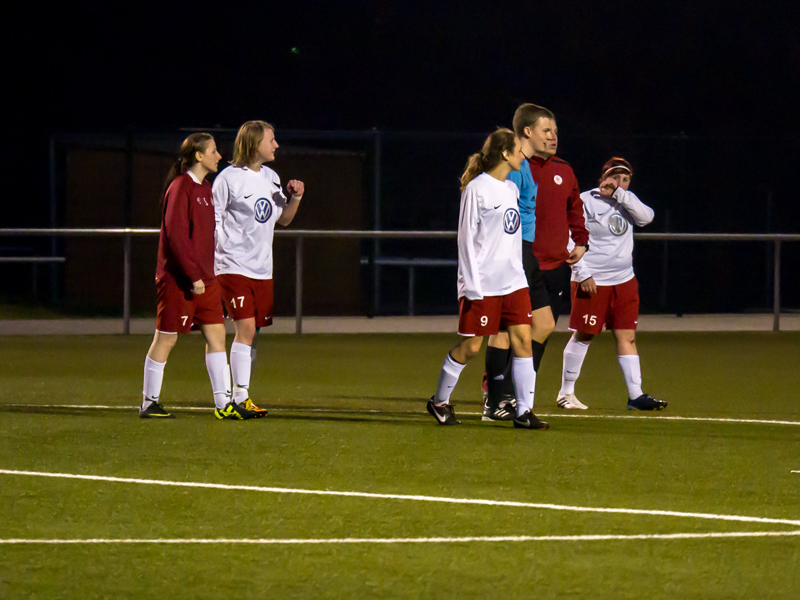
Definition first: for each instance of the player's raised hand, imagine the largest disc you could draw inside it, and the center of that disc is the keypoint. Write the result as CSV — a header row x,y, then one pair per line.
x,y
608,186
295,187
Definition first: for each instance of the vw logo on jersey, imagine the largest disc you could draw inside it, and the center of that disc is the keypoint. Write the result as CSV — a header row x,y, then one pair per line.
x,y
511,220
617,224
263,210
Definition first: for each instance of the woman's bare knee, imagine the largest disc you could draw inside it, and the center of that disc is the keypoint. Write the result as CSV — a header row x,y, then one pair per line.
x,y
543,324
162,345
215,337
499,340
521,341
245,331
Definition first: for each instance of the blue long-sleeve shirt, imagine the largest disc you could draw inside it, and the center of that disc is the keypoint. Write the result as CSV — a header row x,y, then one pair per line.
x,y
527,199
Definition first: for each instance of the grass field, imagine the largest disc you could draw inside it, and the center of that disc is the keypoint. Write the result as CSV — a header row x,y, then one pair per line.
x,y
348,416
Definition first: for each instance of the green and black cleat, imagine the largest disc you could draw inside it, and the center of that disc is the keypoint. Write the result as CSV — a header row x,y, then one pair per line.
x,y
234,412
154,411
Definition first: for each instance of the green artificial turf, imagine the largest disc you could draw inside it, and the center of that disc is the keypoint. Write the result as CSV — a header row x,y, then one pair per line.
x,y
348,415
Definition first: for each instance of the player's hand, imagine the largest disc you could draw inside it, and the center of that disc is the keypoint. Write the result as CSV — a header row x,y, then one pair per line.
x,y
608,186
576,254
295,187
588,286
198,287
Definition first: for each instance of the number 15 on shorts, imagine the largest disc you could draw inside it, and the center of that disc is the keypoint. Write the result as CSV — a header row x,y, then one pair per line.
x,y
590,320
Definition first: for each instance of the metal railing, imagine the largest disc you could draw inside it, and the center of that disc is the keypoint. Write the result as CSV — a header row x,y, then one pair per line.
x,y
300,234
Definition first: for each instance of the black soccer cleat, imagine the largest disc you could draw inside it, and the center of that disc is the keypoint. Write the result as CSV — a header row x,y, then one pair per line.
x,y
154,411
529,421
506,410
444,414
645,402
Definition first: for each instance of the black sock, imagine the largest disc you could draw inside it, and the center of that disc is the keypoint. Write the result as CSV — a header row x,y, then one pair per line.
x,y
496,364
538,352
508,379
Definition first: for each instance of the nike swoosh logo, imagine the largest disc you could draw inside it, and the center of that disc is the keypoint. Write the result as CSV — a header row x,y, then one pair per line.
x,y
248,196
530,314
498,206
440,419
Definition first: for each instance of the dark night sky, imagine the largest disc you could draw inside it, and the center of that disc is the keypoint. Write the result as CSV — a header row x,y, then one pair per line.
x,y
705,68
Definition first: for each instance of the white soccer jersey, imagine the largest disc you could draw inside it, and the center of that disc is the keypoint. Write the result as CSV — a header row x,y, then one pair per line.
x,y
610,221
246,205
489,239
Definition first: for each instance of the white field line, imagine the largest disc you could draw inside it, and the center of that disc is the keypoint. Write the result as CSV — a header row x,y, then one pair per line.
x,y
659,417
430,540
474,501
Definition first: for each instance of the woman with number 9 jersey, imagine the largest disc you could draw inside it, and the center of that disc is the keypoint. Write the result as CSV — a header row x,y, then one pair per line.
x,y
248,201
492,288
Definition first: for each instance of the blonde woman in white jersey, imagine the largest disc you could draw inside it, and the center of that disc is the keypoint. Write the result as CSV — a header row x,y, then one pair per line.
x,y
248,202
492,288
605,292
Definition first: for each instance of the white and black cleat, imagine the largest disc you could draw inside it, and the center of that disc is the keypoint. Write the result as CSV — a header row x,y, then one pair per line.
x,y
645,402
444,414
570,402
506,410
528,420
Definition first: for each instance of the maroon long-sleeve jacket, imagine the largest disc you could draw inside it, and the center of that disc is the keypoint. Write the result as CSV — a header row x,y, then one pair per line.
x,y
186,244
559,211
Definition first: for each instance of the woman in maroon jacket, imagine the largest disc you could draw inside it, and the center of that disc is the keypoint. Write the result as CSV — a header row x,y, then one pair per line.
x,y
188,293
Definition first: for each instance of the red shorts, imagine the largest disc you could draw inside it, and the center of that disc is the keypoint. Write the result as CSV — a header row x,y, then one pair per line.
x,y
613,306
178,310
493,313
247,298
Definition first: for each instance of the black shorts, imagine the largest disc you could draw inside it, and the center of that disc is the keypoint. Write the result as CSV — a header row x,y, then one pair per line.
x,y
546,288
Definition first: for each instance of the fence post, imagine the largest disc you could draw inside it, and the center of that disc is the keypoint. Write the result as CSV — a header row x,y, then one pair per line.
x,y
776,289
376,226
53,222
127,216
126,285
298,286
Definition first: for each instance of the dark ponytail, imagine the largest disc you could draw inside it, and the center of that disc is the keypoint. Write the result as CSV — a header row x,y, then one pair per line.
x,y
197,142
491,155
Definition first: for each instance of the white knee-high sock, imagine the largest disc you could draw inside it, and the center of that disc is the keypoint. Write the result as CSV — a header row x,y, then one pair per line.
x,y
632,371
524,383
574,354
448,378
228,385
153,377
216,364
240,370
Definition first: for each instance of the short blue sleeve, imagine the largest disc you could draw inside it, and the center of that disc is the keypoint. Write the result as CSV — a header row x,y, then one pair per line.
x,y
527,199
